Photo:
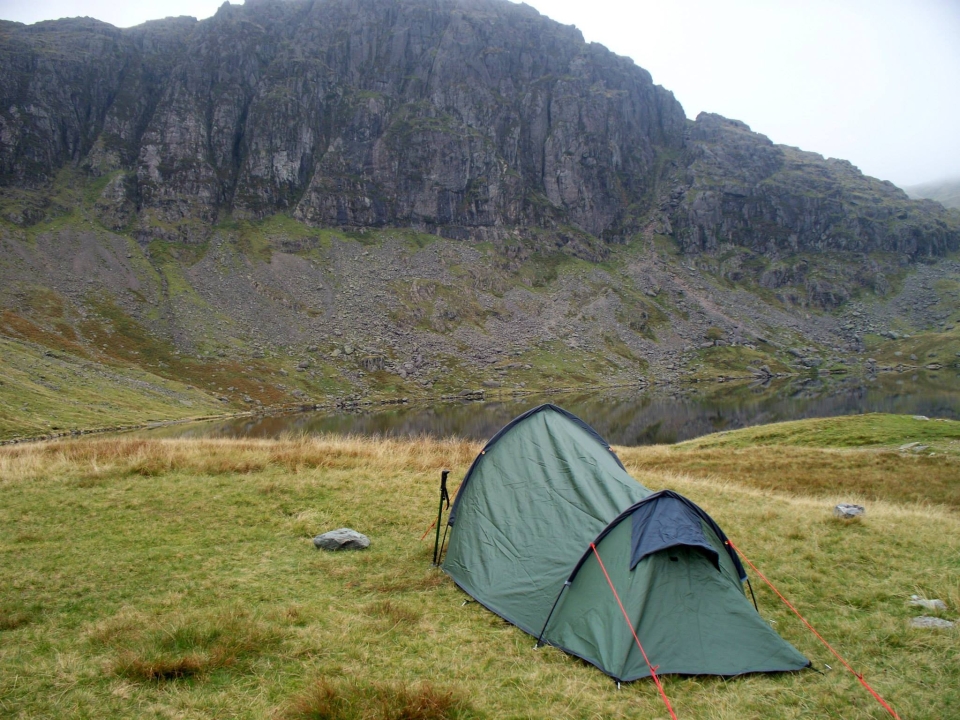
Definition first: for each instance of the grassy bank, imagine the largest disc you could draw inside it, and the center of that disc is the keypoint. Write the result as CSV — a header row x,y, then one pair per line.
x,y
176,578
874,456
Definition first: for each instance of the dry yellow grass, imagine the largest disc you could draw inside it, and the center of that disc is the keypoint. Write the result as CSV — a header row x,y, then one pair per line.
x,y
872,473
92,458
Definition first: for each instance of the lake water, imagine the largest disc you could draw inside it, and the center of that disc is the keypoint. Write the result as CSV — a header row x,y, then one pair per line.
x,y
624,417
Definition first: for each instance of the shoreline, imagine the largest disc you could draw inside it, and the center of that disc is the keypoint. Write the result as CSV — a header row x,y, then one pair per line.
x,y
356,403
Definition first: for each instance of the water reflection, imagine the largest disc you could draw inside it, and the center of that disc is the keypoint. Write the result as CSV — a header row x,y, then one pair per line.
x,y
624,418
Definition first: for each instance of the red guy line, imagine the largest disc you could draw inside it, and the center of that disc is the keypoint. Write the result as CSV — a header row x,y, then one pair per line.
x,y
653,671
428,530
819,636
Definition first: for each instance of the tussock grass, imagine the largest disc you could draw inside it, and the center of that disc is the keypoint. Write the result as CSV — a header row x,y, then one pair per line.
x,y
176,645
343,699
176,578
13,616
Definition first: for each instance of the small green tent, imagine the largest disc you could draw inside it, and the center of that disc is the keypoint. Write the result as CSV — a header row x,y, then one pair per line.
x,y
544,500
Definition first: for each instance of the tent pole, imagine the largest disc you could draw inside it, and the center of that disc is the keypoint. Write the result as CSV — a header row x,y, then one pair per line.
x,y
443,496
749,585
547,621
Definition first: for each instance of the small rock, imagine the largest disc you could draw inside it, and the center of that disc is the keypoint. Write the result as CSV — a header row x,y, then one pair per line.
x,y
847,511
925,621
348,349
920,417
933,605
341,539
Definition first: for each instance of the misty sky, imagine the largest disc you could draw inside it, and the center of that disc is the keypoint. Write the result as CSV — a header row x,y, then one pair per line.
x,y
876,82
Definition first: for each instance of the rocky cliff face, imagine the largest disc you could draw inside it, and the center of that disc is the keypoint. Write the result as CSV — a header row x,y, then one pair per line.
x,y
463,117
346,112
738,188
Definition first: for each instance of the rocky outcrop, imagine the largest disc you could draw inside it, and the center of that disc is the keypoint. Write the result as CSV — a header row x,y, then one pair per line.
x,y
469,118
344,112
738,188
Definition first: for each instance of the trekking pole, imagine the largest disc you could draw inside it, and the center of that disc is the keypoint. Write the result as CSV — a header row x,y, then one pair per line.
x,y
444,496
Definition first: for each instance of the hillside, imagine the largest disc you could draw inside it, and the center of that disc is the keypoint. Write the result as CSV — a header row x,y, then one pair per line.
x,y
945,192
300,202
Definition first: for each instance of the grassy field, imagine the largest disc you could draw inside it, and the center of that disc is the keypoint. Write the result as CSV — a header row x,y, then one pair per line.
x,y
177,579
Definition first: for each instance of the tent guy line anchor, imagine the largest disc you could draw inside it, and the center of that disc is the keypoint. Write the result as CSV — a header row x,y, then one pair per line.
x,y
829,647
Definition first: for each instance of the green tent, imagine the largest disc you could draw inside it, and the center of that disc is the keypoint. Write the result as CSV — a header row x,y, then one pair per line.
x,y
544,500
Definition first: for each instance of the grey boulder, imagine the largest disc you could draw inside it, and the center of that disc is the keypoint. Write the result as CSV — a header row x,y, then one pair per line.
x,y
845,511
925,621
342,539
934,605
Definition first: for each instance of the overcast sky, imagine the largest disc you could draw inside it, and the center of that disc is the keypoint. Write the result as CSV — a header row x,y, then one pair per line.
x,y
876,82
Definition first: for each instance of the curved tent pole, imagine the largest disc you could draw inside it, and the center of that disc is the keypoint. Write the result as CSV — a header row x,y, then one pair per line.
x,y
546,407
689,503
550,615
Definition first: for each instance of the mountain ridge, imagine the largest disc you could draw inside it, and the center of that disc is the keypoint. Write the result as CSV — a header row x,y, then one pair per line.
x,y
467,116
946,192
